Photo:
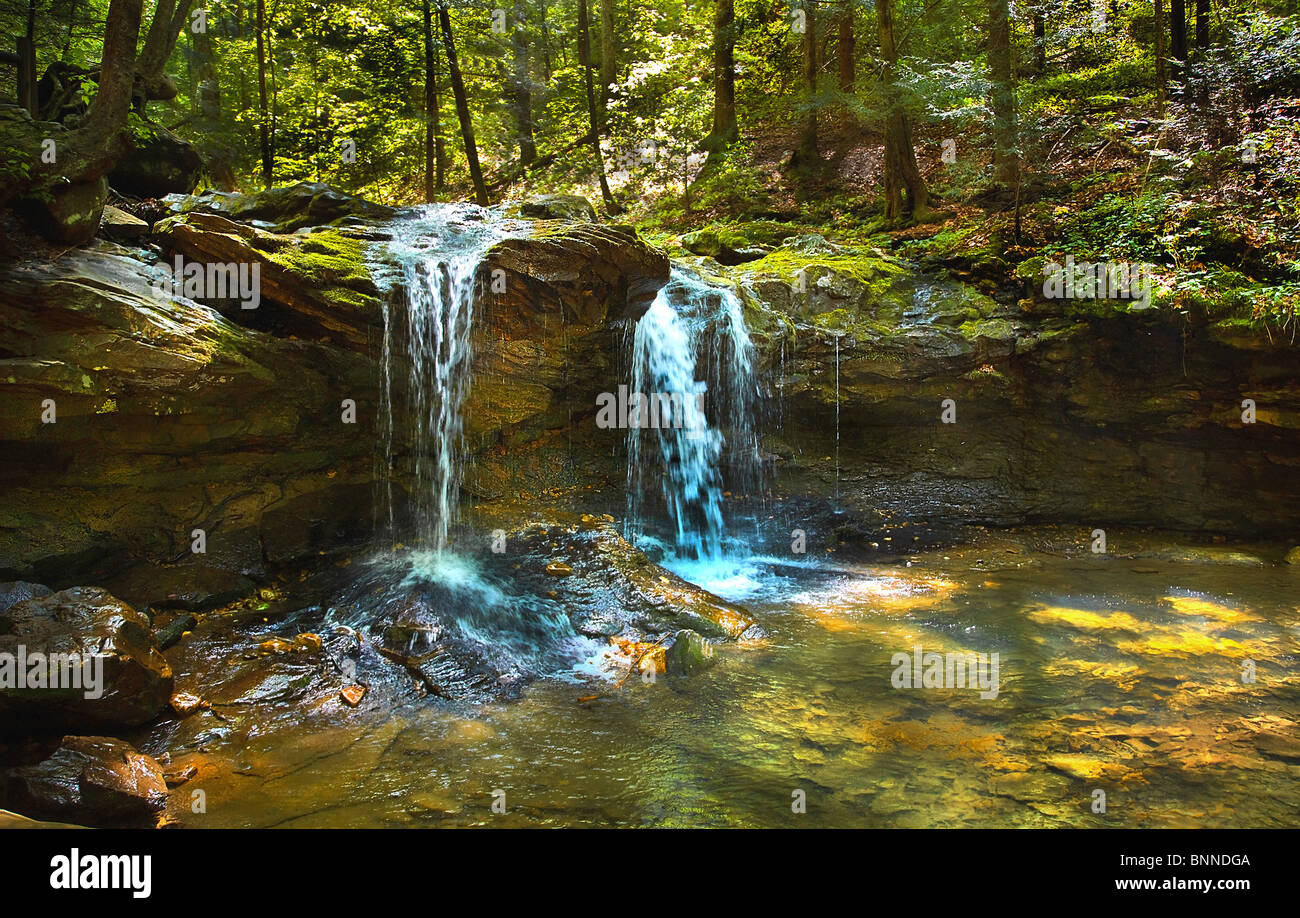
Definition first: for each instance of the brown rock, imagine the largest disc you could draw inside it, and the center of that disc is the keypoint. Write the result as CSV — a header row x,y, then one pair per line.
x,y
353,694
94,780
136,682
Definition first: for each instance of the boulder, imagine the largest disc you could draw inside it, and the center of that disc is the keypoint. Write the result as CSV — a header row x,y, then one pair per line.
x,y
571,207
90,780
15,591
136,681
158,163
283,209
120,226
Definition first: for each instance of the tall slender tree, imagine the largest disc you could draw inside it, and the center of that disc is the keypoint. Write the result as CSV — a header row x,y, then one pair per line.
x,y
462,105
266,139
593,110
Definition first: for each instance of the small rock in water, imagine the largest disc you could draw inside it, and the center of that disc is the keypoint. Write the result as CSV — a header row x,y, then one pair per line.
x,y
275,645
1293,556
353,694
308,642
558,569
184,704
690,653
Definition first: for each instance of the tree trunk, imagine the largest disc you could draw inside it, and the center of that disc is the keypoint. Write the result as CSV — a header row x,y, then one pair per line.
x,y
169,16
519,87
1040,40
1178,36
1162,63
725,130
584,58
265,139
1006,161
27,95
462,106
807,155
901,171
607,56
435,154
845,50
1203,24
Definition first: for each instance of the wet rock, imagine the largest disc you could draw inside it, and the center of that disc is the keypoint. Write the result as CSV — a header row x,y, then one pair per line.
x,y
571,207
194,587
353,694
1293,556
94,780
689,654
15,591
136,680
558,569
174,630
286,208
185,704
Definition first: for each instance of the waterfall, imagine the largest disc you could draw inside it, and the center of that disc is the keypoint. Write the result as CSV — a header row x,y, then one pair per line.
x,y
431,272
692,330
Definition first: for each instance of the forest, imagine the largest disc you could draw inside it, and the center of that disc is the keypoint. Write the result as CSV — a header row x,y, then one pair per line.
x,y
640,413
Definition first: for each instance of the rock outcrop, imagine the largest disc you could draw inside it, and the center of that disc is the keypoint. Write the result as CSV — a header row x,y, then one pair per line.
x,y
120,677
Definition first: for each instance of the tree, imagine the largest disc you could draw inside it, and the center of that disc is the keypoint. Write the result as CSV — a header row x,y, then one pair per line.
x,y
462,106
1006,161
1178,37
807,158
519,95
845,48
902,174
593,113
607,54
435,154
266,139
1162,64
725,130
71,187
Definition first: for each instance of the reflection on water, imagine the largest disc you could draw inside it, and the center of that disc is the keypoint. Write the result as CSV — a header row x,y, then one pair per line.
x,y
1115,676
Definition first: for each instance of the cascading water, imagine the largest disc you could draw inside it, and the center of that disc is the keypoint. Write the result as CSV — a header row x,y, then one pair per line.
x,y
436,257
468,628
691,327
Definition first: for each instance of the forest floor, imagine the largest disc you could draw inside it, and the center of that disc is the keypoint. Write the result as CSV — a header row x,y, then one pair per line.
x,y
1208,196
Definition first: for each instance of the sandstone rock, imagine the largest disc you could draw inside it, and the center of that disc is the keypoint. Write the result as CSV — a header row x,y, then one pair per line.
x,y
285,208
136,680
94,780
120,226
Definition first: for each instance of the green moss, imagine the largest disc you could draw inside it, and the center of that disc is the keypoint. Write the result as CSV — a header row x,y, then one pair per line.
x,y
327,257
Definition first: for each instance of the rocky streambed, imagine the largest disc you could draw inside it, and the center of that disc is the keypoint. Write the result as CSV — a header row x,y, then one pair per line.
x,y
311,643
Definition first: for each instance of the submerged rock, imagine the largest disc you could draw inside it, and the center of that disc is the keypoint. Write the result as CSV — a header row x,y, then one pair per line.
x,y
689,654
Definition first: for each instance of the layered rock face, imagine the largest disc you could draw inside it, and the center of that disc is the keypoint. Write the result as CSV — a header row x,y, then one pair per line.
x,y
1063,411
135,423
